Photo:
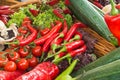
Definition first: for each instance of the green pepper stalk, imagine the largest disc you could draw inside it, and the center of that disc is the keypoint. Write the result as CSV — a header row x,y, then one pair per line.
x,y
66,74
114,10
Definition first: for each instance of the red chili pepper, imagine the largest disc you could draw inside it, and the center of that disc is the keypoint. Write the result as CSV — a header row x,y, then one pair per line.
x,y
71,46
70,54
54,30
34,12
57,13
6,12
67,2
44,31
56,42
97,4
77,51
67,11
30,38
4,7
46,46
43,71
77,36
4,18
72,31
52,2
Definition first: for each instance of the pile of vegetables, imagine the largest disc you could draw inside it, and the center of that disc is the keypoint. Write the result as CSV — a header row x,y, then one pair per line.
x,y
48,45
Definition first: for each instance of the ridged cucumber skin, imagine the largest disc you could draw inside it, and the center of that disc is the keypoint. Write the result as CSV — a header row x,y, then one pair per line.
x,y
92,18
110,57
104,72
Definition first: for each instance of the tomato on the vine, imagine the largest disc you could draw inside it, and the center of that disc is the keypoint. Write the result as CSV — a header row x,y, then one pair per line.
x,y
33,61
13,56
23,64
37,51
3,61
10,66
23,52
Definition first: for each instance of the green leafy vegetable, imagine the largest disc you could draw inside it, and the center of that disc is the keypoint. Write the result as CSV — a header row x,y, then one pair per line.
x,y
17,18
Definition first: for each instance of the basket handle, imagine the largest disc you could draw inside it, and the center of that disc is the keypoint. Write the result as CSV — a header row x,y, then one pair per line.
x,y
20,4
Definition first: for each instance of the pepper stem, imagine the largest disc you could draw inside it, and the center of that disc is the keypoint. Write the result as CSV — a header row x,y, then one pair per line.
x,y
114,11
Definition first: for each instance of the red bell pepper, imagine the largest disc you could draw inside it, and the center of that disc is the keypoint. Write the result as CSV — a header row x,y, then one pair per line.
x,y
113,21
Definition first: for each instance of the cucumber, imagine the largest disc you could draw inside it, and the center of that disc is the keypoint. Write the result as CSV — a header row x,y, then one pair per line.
x,y
87,13
110,57
110,71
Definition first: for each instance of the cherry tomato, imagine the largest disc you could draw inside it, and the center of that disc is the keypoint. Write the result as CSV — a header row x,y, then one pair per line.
x,y
3,61
33,61
23,52
13,56
10,66
23,64
37,51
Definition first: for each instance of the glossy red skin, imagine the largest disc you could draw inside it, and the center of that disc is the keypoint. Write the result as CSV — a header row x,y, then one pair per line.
x,y
33,61
31,37
4,7
73,29
78,51
23,64
46,45
113,23
43,71
23,53
22,30
6,12
10,66
74,45
37,51
34,12
44,31
5,75
13,56
54,30
52,2
3,61
57,13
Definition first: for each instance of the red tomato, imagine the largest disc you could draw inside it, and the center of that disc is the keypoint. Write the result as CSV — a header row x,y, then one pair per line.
x,y
10,66
37,51
33,61
23,64
13,56
3,61
23,52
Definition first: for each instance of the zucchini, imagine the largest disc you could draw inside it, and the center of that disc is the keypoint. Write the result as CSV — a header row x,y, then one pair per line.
x,y
110,71
110,57
87,13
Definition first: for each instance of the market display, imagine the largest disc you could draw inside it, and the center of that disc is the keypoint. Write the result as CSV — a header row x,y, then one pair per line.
x,y
48,41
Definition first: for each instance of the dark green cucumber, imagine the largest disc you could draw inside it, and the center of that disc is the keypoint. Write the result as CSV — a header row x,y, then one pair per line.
x,y
86,13
110,57
105,72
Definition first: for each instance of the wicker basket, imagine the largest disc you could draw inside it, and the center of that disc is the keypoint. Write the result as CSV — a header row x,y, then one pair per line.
x,y
102,47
